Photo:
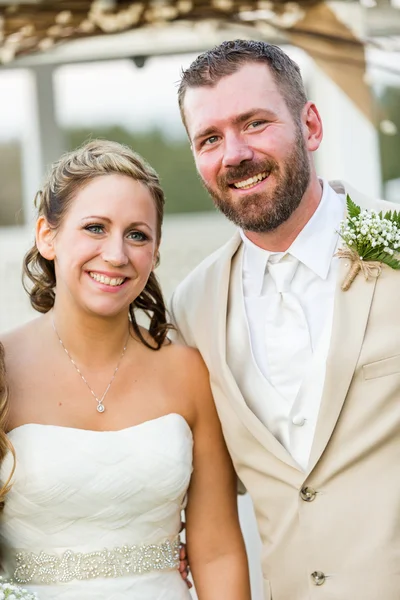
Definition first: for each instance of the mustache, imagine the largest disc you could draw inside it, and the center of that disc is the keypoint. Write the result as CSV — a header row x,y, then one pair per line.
x,y
246,170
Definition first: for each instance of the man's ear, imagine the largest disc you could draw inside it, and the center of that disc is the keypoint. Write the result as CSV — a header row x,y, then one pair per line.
x,y
312,126
45,238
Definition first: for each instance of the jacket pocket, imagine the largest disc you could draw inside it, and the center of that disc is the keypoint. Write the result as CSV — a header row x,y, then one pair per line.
x,y
267,590
382,368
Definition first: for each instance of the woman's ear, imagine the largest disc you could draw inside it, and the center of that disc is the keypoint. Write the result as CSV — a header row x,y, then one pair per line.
x,y
45,238
156,260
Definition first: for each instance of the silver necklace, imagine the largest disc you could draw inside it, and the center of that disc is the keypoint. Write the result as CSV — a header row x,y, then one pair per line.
x,y
100,406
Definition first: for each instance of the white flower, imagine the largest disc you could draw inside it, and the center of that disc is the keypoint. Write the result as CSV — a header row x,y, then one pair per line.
x,y
9,591
370,234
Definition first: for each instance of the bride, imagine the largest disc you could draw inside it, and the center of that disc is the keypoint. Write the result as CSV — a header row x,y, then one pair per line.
x,y
114,428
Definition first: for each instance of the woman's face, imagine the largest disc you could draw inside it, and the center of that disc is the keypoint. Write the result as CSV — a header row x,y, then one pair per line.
x,y
106,246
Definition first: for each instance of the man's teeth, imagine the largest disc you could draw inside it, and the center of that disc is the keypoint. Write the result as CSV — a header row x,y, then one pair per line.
x,y
107,280
243,185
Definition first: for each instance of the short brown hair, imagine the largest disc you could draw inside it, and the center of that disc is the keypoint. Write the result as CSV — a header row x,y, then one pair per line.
x,y
227,58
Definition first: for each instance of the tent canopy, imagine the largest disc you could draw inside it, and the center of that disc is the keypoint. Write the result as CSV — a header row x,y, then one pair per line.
x,y
334,34
35,26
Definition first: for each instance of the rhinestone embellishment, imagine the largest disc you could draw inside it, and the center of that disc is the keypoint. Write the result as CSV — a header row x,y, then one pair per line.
x,y
47,568
100,407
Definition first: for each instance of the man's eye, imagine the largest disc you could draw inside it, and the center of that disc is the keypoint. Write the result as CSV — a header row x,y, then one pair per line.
x,y
95,228
256,124
138,236
211,140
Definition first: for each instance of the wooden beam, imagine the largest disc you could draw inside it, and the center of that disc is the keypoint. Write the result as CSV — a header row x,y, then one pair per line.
x,y
336,50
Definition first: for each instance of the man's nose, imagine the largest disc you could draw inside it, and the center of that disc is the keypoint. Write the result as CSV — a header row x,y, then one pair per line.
x,y
236,151
114,252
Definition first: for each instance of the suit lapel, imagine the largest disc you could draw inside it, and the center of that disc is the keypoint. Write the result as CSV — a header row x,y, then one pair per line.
x,y
351,312
219,280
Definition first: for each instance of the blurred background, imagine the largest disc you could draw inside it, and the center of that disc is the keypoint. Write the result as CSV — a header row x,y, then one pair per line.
x,y
70,71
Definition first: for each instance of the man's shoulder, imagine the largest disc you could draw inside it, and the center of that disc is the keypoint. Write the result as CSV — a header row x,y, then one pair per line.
x,y
363,200
196,278
196,297
385,205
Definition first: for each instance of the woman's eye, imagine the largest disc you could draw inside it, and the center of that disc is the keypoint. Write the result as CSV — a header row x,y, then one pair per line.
x,y
138,236
95,228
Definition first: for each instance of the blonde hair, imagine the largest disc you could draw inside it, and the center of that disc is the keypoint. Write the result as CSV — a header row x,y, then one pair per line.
x,y
5,444
67,177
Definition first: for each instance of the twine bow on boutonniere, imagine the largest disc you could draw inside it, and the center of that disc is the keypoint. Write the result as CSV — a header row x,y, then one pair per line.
x,y
371,240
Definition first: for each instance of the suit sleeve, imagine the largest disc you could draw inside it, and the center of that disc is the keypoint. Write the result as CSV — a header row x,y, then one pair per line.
x,y
176,335
178,318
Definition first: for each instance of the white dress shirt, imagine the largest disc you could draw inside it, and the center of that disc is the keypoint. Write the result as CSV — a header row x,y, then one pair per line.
x,y
313,285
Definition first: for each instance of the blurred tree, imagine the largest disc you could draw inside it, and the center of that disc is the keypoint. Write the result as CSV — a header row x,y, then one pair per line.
x,y
172,159
11,212
389,103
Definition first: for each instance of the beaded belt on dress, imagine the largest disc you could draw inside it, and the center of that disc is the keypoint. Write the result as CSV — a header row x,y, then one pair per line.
x,y
48,568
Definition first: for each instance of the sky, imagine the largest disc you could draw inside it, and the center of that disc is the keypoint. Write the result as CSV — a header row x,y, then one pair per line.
x,y
110,92
119,93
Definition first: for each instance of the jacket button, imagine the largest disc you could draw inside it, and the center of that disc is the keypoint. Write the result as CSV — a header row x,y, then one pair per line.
x,y
308,494
318,577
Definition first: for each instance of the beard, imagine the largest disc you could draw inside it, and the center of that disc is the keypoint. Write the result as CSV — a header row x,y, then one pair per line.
x,y
265,211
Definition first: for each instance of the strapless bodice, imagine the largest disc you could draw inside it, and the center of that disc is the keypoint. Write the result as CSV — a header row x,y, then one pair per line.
x,y
86,491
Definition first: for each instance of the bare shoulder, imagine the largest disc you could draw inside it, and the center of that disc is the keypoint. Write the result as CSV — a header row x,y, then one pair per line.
x,y
23,331
187,360
191,375
21,342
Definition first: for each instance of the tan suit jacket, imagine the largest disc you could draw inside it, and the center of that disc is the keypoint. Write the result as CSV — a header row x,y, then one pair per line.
x,y
332,533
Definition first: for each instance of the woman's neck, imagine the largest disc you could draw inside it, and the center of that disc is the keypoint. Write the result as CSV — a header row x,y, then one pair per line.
x,y
91,340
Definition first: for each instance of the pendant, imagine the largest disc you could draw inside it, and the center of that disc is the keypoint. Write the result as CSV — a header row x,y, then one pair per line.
x,y
100,407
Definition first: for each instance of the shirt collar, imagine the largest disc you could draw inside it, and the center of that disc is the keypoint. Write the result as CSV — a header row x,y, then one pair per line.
x,y
314,246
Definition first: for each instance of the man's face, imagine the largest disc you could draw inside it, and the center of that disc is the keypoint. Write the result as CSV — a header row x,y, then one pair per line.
x,y
249,151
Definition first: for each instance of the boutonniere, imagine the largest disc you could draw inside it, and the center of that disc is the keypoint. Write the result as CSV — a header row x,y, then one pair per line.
x,y
14,592
371,240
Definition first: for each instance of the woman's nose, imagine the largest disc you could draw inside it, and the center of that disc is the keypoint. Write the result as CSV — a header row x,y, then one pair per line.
x,y
114,252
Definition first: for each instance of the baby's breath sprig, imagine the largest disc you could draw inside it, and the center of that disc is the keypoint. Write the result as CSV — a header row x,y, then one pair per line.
x,y
372,239
10,591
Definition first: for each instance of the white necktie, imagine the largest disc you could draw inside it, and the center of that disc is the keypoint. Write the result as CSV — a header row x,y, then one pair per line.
x,y
288,340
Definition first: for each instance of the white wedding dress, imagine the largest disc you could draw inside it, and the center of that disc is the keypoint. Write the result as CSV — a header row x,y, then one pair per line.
x,y
96,515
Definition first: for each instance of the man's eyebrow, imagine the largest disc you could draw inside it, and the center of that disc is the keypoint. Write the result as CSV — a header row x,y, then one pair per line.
x,y
252,113
238,120
204,133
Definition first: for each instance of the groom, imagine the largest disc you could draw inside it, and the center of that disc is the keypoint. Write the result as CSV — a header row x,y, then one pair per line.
x,y
306,377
